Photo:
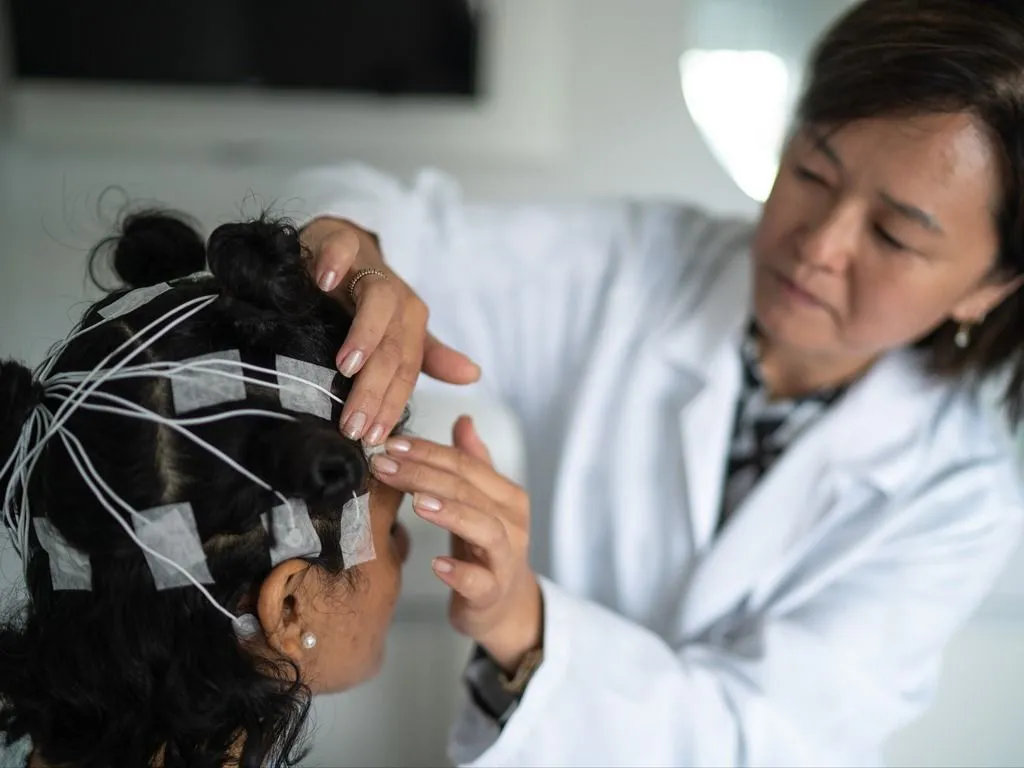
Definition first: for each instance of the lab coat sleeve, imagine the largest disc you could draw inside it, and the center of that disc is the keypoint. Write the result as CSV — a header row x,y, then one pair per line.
x,y
522,289
824,683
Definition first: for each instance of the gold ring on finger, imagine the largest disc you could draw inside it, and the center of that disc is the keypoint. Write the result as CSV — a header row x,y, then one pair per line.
x,y
359,276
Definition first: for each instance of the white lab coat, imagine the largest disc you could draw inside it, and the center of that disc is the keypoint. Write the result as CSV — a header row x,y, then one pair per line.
x,y
812,627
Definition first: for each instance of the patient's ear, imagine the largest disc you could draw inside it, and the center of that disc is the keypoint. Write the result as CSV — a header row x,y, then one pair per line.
x,y
284,608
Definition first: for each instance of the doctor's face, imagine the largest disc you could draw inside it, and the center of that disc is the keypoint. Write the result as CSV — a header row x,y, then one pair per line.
x,y
877,232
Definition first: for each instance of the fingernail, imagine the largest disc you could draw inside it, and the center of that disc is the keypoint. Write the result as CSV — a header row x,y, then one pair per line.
x,y
426,502
442,566
351,363
375,436
399,446
355,426
384,466
328,280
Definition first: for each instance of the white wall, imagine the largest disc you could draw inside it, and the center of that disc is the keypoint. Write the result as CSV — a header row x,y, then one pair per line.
x,y
608,121
585,100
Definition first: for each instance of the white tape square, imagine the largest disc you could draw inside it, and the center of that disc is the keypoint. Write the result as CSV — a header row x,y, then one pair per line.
x,y
293,531
356,532
69,568
299,396
171,531
193,390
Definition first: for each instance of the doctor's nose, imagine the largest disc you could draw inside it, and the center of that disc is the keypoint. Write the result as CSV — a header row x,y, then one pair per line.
x,y
829,244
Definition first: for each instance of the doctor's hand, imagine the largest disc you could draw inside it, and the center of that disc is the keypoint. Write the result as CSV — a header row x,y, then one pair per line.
x,y
496,599
388,344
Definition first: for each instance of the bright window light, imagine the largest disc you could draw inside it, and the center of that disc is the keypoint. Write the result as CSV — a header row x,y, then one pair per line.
x,y
740,102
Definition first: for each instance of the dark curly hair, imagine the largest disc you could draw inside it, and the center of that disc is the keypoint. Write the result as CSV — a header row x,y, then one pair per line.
x,y
123,674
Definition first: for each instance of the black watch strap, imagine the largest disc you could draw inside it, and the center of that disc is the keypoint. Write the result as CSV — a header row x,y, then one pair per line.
x,y
484,680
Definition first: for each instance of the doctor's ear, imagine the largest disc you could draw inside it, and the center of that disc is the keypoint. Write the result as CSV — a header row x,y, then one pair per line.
x,y
985,298
285,609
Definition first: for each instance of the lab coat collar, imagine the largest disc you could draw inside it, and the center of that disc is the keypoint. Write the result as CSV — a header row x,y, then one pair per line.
x,y
879,429
876,434
874,425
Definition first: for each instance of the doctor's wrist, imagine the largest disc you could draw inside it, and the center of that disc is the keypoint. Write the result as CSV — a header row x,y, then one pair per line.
x,y
520,633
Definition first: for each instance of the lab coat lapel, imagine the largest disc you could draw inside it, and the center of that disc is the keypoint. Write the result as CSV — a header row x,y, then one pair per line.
x,y
874,435
705,425
703,344
760,532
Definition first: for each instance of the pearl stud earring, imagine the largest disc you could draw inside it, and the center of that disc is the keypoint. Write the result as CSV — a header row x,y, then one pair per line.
x,y
963,336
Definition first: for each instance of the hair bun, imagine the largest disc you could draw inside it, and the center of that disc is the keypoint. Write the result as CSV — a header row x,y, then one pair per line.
x,y
154,247
260,262
19,394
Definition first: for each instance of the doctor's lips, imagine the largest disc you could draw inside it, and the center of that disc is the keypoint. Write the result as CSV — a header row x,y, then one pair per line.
x,y
795,293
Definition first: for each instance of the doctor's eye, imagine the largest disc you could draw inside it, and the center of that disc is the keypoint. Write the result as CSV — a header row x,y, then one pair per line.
x,y
888,240
805,174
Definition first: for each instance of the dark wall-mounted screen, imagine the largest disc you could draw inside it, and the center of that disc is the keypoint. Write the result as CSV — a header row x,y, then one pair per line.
x,y
391,47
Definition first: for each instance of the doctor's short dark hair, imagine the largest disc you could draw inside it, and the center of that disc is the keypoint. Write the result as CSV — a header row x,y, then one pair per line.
x,y
124,673
890,58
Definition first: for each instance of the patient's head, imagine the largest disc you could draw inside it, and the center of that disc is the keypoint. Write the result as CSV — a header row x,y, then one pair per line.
x,y
234,469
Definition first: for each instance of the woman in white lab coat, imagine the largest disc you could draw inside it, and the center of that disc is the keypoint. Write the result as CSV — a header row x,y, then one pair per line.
x,y
763,487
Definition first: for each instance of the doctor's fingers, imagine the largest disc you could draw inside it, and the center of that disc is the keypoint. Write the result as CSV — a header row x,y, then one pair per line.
x,y
474,583
378,303
377,354
333,247
401,379
485,534
338,250
383,388
411,476
480,473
